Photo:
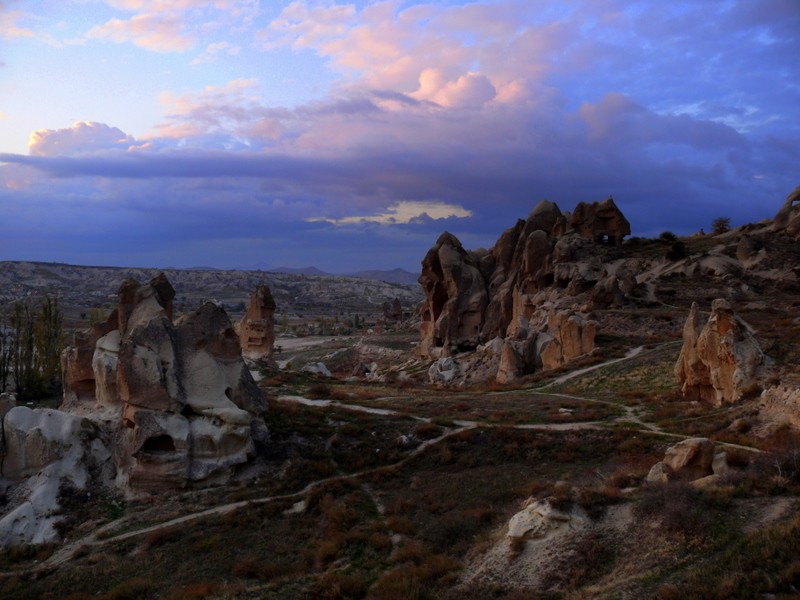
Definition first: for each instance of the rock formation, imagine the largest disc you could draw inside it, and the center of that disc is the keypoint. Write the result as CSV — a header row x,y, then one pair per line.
x,y
148,402
720,360
257,327
693,459
788,217
507,292
601,220
539,519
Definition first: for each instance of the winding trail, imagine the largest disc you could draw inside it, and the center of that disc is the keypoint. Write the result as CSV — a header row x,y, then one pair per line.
x,y
104,535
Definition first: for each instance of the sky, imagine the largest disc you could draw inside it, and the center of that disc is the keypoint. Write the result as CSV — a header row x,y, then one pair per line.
x,y
349,135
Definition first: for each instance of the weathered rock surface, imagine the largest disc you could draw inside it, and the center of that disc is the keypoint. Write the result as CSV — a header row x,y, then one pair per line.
x,y
539,520
693,459
178,395
44,449
148,403
720,360
779,406
600,220
257,327
522,289
788,217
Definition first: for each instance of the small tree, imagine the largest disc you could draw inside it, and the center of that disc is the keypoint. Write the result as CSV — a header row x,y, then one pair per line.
x,y
721,225
5,356
23,351
35,348
49,341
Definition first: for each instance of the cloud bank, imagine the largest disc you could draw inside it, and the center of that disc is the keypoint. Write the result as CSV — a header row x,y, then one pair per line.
x,y
469,113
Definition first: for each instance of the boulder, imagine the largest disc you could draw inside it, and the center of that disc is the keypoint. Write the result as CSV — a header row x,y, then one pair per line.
x,y
443,371
690,459
538,520
257,327
659,473
720,360
779,407
46,449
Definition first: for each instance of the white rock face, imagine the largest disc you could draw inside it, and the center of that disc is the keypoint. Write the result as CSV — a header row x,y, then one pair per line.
x,y
37,438
45,448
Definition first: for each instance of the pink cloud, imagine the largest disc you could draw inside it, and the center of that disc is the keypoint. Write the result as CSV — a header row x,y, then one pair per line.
x,y
452,55
155,32
9,27
80,139
229,108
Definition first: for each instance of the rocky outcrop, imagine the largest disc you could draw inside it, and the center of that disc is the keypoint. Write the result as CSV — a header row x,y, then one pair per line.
x,y
528,289
183,405
601,221
788,217
720,360
455,296
257,327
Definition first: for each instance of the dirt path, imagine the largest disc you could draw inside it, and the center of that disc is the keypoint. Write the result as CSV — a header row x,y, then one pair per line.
x,y
103,535
100,538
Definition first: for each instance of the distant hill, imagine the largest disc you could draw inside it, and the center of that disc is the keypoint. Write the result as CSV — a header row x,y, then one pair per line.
x,y
301,271
304,291
400,276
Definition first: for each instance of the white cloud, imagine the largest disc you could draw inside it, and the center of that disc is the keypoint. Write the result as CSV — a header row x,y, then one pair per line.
x,y
403,213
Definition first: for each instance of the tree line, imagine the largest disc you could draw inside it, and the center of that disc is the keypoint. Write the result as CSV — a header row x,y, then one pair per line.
x,y
31,339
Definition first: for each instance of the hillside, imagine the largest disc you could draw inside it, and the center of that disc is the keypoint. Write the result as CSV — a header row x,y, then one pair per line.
x,y
81,288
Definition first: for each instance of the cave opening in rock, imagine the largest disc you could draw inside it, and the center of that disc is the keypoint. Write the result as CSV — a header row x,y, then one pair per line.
x,y
159,443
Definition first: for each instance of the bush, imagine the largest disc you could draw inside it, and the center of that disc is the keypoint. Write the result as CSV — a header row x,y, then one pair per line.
x,y
667,236
677,251
677,506
721,225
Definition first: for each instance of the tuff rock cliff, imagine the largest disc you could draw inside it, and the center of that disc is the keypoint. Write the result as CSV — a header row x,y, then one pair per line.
x,y
509,301
149,403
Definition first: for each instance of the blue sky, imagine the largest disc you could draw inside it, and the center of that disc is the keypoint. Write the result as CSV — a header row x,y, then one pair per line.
x,y
237,133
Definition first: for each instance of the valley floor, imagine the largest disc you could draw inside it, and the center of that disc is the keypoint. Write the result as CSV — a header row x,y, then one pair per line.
x,y
399,491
